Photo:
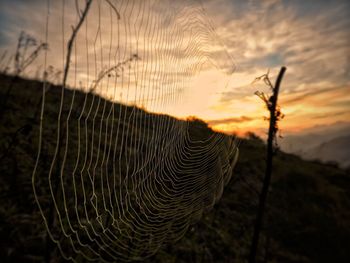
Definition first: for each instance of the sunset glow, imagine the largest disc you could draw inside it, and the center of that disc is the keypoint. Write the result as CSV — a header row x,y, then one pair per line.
x,y
175,131
251,38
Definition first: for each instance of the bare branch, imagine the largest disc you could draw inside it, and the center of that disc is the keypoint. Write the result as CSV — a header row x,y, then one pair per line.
x,y
114,8
72,38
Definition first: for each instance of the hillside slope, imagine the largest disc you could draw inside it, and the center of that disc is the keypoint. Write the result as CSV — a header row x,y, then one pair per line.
x,y
308,208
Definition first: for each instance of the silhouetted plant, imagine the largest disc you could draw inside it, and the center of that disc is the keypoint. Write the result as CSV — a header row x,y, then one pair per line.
x,y
26,43
275,117
113,71
27,50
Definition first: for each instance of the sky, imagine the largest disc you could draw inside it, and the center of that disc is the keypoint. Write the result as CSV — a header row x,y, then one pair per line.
x,y
200,58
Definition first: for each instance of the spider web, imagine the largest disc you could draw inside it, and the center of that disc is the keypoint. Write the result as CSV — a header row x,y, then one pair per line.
x,y
119,181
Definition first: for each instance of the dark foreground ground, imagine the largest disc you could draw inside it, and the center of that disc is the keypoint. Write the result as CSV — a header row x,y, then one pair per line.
x,y
308,214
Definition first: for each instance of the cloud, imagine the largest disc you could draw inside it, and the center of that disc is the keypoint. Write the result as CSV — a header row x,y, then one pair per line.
x,y
328,96
311,39
230,120
271,33
305,95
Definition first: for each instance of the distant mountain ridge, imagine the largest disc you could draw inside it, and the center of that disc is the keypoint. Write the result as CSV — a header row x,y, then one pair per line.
x,y
337,150
324,143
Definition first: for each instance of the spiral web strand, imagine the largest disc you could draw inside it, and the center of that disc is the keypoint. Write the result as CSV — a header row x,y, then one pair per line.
x,y
120,181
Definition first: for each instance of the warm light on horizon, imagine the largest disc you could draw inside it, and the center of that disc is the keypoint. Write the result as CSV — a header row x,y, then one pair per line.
x,y
208,75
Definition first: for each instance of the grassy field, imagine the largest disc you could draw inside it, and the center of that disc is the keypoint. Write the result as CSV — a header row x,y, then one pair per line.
x,y
308,213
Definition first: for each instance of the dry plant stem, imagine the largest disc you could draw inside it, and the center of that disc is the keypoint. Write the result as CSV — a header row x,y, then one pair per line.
x,y
268,171
60,134
21,63
71,40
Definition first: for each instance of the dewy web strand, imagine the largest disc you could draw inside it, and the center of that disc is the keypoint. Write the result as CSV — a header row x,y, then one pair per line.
x,y
123,181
